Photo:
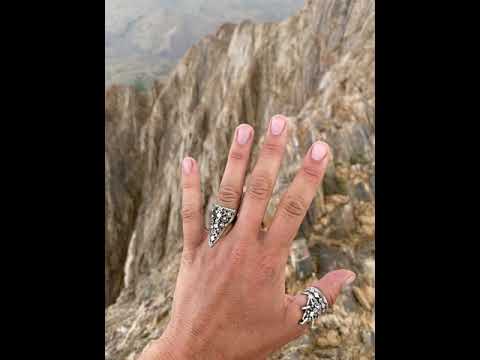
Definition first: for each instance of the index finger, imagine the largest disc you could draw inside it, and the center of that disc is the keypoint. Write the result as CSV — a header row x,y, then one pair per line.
x,y
296,201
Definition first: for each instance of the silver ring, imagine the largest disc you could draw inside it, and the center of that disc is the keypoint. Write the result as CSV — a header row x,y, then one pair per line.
x,y
317,305
220,218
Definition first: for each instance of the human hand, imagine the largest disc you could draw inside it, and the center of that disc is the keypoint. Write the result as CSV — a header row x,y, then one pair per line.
x,y
230,300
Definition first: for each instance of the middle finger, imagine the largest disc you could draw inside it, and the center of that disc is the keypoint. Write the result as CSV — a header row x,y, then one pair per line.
x,y
264,175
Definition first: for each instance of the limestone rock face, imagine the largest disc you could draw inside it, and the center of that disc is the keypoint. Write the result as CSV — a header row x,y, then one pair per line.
x,y
316,67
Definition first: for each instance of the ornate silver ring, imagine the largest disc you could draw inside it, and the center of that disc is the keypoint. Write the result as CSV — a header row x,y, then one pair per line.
x,y
220,219
317,305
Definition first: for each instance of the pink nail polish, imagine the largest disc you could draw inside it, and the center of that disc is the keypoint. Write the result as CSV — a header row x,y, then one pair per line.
x,y
277,125
243,134
187,165
319,150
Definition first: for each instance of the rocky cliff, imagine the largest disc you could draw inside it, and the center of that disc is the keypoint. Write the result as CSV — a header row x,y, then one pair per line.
x,y
317,67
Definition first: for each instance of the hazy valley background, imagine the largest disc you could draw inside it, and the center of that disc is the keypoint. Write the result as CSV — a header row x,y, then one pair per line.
x,y
145,38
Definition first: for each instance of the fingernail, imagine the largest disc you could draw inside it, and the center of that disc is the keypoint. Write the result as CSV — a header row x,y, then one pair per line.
x,y
350,280
187,165
277,125
243,134
319,150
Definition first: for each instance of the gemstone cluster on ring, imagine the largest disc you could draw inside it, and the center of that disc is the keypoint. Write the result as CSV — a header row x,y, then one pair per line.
x,y
219,219
316,305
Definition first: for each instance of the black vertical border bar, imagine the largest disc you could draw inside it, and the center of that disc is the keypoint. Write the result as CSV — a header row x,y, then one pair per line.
x,y
53,135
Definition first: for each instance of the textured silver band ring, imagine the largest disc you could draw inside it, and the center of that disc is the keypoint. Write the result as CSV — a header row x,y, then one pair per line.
x,y
220,219
317,305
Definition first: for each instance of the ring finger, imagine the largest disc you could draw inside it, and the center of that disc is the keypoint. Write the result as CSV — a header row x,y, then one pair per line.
x,y
231,186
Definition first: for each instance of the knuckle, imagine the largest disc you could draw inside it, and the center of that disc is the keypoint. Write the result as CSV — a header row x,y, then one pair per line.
x,y
228,195
266,270
236,155
260,187
189,213
312,173
187,257
272,149
294,206
237,256
188,185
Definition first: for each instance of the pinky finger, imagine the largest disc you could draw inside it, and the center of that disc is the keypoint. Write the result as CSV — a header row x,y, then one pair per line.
x,y
192,214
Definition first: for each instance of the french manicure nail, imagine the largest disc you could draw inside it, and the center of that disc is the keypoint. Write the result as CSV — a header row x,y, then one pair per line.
x,y
319,150
277,125
243,134
187,165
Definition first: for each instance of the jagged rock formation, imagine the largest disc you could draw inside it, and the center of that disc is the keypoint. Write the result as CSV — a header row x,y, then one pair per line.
x,y
316,67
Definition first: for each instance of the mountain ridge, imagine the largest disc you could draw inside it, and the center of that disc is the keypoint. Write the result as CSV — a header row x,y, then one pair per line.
x,y
144,39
